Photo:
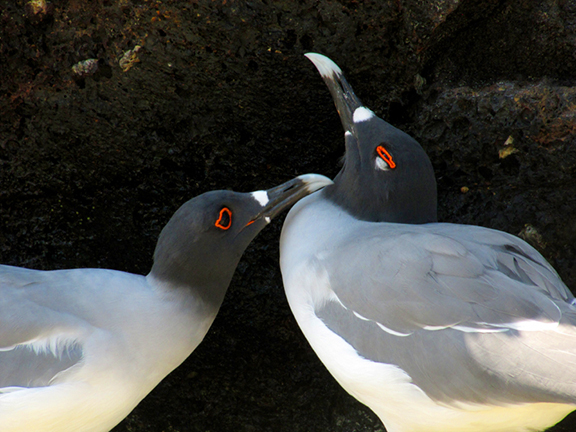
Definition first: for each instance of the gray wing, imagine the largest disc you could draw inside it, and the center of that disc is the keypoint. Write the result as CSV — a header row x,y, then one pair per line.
x,y
471,314
36,341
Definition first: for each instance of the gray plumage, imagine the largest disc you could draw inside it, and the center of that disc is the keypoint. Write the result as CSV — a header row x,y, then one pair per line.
x,y
437,327
80,348
455,291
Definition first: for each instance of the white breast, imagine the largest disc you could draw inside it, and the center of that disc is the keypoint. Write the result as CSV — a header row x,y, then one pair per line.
x,y
312,227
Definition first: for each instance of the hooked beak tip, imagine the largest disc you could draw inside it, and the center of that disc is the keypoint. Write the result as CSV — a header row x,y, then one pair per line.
x,y
274,200
314,182
325,66
347,103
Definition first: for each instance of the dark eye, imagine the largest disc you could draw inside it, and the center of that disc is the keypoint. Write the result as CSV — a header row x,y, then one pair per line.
x,y
224,219
385,156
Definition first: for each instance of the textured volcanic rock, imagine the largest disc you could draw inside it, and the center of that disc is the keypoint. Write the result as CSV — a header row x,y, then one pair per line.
x,y
113,113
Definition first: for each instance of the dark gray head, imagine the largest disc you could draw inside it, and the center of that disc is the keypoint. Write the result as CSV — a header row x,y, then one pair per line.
x,y
199,248
387,176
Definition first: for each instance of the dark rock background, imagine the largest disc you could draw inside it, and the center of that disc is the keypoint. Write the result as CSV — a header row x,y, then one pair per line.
x,y
99,146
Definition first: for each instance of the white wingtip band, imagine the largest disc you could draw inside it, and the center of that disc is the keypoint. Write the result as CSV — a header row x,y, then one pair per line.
x,y
325,66
393,332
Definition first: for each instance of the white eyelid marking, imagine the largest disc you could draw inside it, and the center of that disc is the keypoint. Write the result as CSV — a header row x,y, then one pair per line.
x,y
381,164
267,219
362,114
348,133
261,196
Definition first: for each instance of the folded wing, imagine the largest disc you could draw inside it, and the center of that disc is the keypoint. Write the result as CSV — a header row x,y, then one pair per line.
x,y
37,341
461,309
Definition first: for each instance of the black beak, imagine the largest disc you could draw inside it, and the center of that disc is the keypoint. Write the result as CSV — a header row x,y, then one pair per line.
x,y
344,98
278,198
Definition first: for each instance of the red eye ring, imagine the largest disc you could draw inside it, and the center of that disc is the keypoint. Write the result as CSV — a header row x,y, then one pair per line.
x,y
387,157
225,212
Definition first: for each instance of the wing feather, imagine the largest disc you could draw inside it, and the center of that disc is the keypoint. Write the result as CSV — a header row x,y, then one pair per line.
x,y
36,341
474,306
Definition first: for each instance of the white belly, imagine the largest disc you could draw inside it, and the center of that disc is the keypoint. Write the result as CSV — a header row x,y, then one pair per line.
x,y
67,407
384,388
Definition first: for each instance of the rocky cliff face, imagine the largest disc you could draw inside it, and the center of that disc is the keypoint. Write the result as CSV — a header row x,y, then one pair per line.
x,y
113,113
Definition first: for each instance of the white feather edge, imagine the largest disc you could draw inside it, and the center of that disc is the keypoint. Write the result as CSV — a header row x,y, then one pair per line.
x,y
483,327
55,344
